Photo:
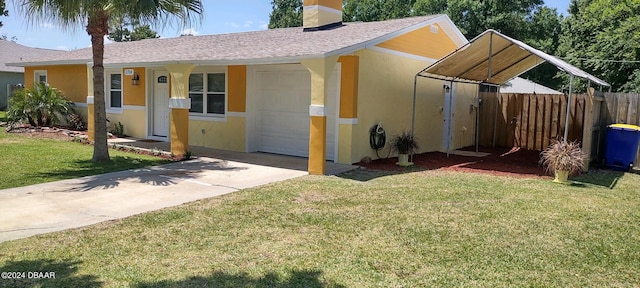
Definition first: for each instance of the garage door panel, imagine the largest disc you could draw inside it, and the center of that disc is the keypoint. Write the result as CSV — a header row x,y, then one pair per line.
x,y
283,99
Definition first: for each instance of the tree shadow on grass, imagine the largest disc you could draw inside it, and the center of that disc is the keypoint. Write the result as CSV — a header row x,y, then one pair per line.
x,y
60,273
161,175
368,174
304,278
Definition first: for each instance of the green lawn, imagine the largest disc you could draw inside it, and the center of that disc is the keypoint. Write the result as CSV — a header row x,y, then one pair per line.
x,y
25,161
3,116
363,229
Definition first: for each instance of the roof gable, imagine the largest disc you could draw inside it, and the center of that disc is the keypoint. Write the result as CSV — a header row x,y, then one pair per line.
x,y
429,41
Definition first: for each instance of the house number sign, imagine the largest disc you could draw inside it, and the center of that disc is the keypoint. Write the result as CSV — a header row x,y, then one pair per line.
x,y
162,79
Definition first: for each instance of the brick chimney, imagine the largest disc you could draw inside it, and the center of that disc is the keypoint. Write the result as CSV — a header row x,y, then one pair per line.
x,y
322,14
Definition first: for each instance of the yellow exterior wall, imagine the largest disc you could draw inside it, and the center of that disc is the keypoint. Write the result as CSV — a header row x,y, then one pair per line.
x,y
237,83
386,89
229,135
133,121
134,95
422,42
70,79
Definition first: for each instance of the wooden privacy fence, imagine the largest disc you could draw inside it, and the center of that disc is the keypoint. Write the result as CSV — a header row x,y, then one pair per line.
x,y
529,121
532,121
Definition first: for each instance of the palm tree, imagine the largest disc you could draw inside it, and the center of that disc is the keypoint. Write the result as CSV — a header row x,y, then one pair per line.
x,y
96,15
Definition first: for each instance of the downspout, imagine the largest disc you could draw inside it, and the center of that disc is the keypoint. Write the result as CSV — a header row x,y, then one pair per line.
x,y
495,118
413,112
566,121
477,106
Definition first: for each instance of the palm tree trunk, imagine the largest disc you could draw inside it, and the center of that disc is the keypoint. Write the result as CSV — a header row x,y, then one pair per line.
x,y
97,27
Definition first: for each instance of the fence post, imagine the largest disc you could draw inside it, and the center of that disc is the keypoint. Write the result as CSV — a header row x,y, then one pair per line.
x,y
587,127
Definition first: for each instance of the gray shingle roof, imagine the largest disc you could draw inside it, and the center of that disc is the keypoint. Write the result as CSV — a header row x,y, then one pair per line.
x,y
247,47
14,52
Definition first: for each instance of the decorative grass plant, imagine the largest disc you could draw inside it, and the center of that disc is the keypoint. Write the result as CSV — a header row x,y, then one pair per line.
x,y
563,158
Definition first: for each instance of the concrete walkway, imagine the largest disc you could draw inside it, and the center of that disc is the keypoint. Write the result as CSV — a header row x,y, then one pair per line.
x,y
55,206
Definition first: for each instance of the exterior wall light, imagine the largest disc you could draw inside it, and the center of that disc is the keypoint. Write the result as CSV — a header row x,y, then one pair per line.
x,y
135,79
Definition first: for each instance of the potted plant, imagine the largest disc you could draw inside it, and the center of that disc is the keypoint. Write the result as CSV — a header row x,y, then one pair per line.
x,y
404,143
563,158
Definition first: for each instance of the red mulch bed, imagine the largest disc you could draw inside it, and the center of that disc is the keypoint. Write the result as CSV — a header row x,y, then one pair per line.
x,y
513,162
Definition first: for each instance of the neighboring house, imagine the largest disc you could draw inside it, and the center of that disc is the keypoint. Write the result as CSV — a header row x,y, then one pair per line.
x,y
14,52
523,86
312,92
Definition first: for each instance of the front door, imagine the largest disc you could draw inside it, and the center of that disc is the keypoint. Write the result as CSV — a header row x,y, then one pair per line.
x,y
160,103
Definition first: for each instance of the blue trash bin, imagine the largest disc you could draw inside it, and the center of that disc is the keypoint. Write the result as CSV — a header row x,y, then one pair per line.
x,y
622,146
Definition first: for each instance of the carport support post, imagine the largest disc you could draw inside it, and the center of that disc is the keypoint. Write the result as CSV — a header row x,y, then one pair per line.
x,y
179,103
321,70
566,120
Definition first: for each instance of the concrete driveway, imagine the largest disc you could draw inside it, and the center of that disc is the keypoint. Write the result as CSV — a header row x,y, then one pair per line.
x,y
56,206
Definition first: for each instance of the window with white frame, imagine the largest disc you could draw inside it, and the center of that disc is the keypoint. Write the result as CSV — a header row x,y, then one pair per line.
x,y
114,90
40,76
208,93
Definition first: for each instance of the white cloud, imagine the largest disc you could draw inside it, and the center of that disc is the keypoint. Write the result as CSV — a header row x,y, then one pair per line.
x,y
47,25
232,24
190,31
264,26
248,23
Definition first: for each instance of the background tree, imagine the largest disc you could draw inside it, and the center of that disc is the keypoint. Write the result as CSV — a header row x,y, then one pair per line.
x,y
96,15
375,10
603,37
122,31
285,13
3,11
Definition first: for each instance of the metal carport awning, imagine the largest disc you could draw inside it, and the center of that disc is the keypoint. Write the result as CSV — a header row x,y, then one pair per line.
x,y
494,58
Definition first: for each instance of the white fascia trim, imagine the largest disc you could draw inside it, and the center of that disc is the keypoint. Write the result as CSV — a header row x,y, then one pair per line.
x,y
348,121
317,110
90,100
134,107
451,28
323,8
81,104
49,63
237,114
402,54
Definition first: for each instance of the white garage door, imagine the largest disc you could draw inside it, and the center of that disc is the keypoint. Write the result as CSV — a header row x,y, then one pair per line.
x,y
283,97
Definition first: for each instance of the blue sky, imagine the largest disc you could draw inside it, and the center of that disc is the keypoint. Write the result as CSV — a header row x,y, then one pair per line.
x,y
221,16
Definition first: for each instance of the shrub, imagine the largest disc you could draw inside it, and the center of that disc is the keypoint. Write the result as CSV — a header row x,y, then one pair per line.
x,y
76,122
118,130
40,106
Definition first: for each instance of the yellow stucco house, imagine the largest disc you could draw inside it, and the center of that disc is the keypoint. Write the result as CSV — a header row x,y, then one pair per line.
x,y
312,92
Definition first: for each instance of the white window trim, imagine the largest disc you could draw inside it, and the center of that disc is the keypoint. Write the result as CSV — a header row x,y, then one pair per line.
x,y
212,117
107,91
37,73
